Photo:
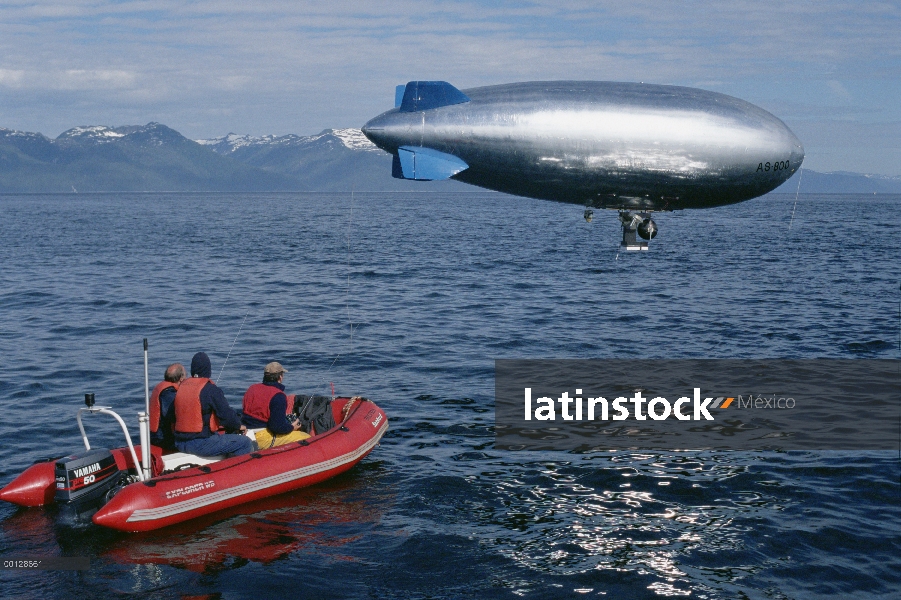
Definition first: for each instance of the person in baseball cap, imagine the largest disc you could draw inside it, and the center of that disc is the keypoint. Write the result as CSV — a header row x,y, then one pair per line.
x,y
267,408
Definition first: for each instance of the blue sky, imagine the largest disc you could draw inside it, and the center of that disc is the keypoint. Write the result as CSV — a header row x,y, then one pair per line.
x,y
830,69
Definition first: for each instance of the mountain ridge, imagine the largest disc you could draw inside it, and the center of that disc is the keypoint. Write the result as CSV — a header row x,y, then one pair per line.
x,y
151,157
154,157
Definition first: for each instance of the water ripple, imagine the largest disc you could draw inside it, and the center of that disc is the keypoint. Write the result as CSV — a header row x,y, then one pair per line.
x,y
408,300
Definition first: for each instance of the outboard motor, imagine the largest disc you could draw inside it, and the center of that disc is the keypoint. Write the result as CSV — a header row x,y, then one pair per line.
x,y
85,482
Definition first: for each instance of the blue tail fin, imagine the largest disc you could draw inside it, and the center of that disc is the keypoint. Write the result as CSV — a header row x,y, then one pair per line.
x,y
423,95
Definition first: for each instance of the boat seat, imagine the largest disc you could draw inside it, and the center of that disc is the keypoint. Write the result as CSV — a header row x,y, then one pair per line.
x,y
177,459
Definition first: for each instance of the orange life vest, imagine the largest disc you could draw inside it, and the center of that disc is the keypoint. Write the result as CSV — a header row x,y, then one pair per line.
x,y
188,414
155,408
257,398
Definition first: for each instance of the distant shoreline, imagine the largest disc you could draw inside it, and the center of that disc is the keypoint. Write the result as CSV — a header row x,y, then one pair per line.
x,y
156,159
431,192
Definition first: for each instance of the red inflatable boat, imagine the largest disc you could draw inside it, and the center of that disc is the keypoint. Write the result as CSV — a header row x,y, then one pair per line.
x,y
114,489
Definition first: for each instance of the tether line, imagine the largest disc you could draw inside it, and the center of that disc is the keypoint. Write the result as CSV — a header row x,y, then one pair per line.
x,y
800,175
347,298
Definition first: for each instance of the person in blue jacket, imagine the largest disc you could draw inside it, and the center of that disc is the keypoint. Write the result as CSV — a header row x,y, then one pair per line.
x,y
200,410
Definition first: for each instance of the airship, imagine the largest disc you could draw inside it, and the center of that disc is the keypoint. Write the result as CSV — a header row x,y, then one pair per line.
x,y
633,147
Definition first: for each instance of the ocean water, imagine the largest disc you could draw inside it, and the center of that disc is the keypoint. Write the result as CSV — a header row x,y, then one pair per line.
x,y
408,299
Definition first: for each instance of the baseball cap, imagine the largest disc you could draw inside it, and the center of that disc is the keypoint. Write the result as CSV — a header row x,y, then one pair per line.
x,y
274,368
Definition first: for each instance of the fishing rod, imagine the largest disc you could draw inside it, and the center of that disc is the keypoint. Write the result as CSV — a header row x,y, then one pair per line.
x,y
233,346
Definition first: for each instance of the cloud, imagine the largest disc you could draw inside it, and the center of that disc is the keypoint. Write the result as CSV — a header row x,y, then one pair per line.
x,y
840,91
76,79
95,80
278,66
11,78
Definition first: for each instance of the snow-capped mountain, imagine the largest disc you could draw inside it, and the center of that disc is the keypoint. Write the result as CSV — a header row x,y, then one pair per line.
x,y
13,134
352,139
86,137
334,159
154,157
93,133
151,134
149,157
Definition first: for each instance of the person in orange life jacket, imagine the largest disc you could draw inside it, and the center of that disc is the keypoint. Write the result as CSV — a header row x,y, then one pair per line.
x,y
200,409
266,406
162,412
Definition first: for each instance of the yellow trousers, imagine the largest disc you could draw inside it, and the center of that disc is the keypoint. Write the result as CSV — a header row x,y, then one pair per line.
x,y
267,440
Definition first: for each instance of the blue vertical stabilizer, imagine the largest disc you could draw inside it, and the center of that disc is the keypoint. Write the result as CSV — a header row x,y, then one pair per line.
x,y
423,95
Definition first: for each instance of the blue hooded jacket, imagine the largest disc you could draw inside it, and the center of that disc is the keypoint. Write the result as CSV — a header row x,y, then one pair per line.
x,y
212,400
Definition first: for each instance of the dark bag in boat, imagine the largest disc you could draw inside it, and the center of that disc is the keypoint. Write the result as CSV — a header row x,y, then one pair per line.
x,y
315,413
